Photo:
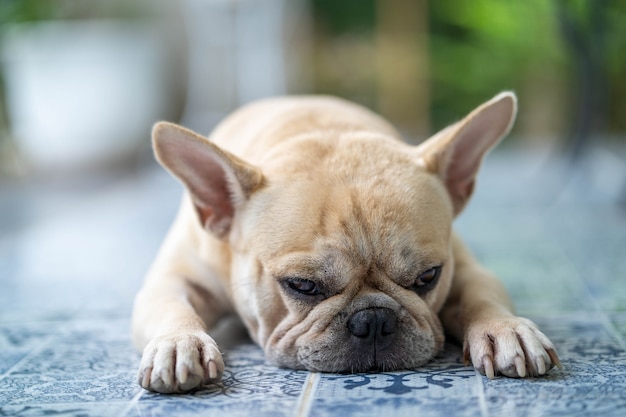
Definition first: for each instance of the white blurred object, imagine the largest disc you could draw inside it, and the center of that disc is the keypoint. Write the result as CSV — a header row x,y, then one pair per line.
x,y
240,51
80,93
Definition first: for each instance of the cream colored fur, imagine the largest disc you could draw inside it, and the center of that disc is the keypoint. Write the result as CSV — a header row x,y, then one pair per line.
x,y
311,220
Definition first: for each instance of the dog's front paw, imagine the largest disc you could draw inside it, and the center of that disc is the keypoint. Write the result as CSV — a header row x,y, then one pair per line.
x,y
180,363
511,346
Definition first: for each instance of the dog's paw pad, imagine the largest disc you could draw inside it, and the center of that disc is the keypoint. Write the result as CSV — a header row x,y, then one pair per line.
x,y
511,346
180,363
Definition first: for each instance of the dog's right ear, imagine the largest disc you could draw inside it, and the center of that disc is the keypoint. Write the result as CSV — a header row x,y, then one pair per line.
x,y
218,181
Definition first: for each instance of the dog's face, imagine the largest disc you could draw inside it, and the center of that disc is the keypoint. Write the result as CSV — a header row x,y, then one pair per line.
x,y
347,262
340,247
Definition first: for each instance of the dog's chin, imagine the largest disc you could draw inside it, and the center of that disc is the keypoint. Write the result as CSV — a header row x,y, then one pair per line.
x,y
360,363
344,356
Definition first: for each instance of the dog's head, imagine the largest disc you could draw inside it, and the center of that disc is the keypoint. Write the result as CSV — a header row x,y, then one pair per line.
x,y
341,249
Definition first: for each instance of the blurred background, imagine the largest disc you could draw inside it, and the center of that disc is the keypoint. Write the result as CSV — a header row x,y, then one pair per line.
x,y
82,82
84,207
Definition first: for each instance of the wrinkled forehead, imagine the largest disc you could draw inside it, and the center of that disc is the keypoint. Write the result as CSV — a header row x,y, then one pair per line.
x,y
379,222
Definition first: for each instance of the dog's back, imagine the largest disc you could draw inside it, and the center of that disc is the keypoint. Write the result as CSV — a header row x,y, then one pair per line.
x,y
263,124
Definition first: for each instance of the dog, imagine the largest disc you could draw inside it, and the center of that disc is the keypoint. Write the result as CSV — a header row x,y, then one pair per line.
x,y
332,240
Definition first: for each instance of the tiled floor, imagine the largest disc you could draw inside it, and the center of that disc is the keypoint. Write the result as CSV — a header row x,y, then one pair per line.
x,y
67,280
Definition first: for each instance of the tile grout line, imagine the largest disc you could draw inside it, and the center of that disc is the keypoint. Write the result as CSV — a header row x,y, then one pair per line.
x,y
482,401
612,329
34,351
305,401
132,403
605,315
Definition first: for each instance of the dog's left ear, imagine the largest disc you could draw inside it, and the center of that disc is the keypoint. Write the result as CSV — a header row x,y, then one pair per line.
x,y
219,182
456,152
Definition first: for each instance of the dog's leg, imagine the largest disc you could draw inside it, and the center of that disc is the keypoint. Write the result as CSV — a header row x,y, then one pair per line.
x,y
478,310
181,299
479,313
183,295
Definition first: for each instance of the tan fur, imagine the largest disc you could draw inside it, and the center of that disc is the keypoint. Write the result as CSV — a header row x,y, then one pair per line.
x,y
319,189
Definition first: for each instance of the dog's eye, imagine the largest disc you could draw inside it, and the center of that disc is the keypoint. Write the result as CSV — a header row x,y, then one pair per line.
x,y
426,280
303,286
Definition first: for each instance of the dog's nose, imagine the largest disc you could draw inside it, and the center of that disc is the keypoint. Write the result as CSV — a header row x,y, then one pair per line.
x,y
374,326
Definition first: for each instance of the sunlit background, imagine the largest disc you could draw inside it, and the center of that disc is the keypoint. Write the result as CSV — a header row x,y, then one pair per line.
x,y
82,82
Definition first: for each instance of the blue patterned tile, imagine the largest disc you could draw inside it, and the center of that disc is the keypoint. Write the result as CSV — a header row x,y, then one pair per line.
x,y
76,362
249,386
36,389
538,276
73,409
599,263
84,347
462,406
543,399
441,387
267,407
573,329
18,340
9,359
429,393
206,408
64,325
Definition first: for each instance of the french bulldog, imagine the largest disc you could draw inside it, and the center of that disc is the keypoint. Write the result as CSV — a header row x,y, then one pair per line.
x,y
331,238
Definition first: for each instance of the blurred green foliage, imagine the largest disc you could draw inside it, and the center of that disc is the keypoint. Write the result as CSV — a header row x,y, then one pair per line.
x,y
479,47
556,54
482,46
17,11
25,10
337,17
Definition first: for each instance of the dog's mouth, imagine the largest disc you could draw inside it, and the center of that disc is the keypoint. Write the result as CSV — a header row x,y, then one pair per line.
x,y
375,363
348,359
372,366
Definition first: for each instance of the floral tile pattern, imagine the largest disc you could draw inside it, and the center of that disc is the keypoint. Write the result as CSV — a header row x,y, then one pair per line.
x,y
65,347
